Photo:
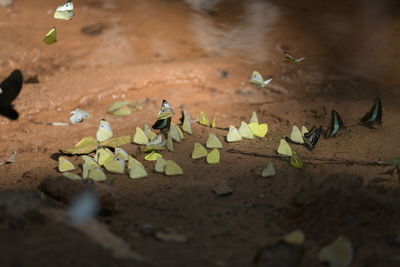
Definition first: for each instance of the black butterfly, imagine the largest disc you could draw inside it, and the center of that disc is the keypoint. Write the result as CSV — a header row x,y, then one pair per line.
x,y
374,115
311,138
9,90
162,124
335,126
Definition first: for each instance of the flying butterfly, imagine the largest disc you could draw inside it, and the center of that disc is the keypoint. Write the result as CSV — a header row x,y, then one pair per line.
x,y
65,12
335,125
374,115
257,79
291,59
51,36
311,138
9,90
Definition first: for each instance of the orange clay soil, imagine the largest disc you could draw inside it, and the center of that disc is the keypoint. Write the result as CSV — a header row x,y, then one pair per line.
x,y
201,59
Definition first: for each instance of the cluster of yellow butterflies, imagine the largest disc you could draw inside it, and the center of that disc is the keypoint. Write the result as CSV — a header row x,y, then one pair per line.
x,y
63,12
296,136
119,161
248,131
213,143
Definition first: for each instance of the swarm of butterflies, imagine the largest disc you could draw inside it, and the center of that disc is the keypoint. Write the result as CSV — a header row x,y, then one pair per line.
x,y
309,138
107,151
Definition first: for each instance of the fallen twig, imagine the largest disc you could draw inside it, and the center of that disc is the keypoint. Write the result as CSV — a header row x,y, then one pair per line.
x,y
330,160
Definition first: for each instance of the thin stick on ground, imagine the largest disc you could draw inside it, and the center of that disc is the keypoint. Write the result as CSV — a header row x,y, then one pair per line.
x,y
324,159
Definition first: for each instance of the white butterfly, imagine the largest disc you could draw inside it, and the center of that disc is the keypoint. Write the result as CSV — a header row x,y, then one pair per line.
x,y
257,79
65,12
78,115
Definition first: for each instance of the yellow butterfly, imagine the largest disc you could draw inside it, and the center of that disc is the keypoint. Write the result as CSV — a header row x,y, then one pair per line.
x,y
51,36
203,120
186,124
296,161
132,161
254,117
102,154
213,157
303,130
149,133
233,135
140,137
65,12
93,173
245,131
104,132
213,141
174,133
65,165
213,124
199,151
269,170
172,168
170,144
137,170
84,146
284,148
161,164
259,130
181,136
121,153
90,161
296,136
152,156
117,141
115,165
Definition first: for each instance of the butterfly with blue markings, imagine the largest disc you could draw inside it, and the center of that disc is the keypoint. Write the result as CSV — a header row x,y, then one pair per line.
x,y
335,125
164,117
9,90
374,115
311,138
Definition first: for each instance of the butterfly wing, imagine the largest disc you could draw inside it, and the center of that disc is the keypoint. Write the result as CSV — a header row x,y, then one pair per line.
x,y
165,104
374,115
335,125
9,112
312,137
11,87
51,36
162,124
68,6
257,79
